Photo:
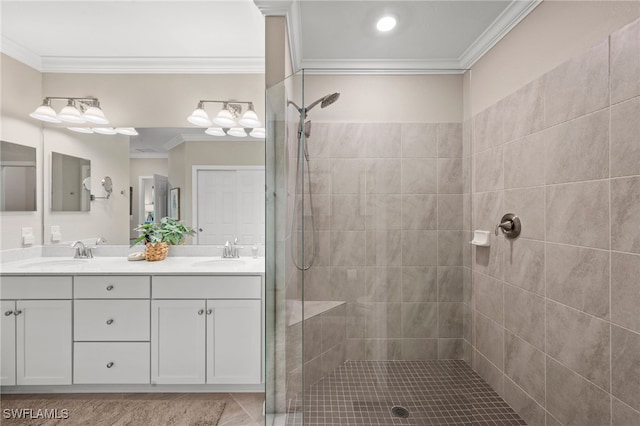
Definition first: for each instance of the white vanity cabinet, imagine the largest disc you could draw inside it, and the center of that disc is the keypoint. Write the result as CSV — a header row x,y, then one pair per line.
x,y
111,329
36,330
206,329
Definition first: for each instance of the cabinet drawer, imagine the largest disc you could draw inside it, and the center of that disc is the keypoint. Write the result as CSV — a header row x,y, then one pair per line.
x,y
111,320
35,287
207,287
111,363
111,287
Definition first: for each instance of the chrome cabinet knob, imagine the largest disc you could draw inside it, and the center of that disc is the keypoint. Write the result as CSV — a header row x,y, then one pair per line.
x,y
6,314
209,311
16,313
110,321
109,287
109,365
201,311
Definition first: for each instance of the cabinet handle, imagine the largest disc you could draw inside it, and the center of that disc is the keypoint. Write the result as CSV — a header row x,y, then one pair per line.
x,y
110,365
6,314
109,287
201,311
16,313
110,321
209,311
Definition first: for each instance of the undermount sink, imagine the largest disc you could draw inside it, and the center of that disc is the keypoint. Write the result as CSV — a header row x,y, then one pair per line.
x,y
220,262
56,262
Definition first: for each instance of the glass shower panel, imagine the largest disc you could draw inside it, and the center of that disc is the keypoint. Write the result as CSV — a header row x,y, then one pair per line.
x,y
284,277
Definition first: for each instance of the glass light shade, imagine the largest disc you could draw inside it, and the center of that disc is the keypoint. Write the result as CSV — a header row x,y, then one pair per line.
x,y
129,131
225,119
386,23
45,113
71,114
250,119
105,130
199,117
215,131
258,132
95,115
238,132
81,129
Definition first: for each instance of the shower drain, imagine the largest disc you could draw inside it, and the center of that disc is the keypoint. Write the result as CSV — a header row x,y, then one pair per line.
x,y
398,411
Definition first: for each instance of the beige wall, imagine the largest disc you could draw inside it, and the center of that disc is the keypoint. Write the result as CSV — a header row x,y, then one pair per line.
x,y
109,156
188,154
21,89
387,98
552,33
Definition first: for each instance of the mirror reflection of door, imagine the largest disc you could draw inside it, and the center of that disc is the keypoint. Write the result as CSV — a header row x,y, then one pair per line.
x,y
230,204
152,198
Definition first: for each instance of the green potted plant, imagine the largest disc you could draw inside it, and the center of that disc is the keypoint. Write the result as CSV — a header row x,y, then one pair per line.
x,y
159,236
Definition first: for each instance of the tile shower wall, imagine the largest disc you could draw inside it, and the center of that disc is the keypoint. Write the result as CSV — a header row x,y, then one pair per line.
x,y
387,202
556,312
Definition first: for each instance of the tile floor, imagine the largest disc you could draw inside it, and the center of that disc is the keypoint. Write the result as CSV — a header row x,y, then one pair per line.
x,y
435,393
241,409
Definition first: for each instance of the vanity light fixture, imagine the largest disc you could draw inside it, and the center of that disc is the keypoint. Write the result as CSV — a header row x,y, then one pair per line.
x,y
386,23
77,111
258,132
229,121
128,131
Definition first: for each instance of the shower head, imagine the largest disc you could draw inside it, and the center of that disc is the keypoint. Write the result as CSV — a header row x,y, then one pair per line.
x,y
325,101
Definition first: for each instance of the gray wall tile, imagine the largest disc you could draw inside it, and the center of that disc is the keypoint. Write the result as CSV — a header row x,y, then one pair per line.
x,y
419,211
625,366
565,96
528,205
524,111
579,277
449,139
450,212
625,62
450,176
345,140
450,348
348,176
382,320
419,320
488,128
450,248
490,373
579,341
524,162
524,315
419,140
525,365
524,264
573,400
419,248
381,140
383,284
383,211
419,176
625,290
623,415
419,349
625,138
490,340
450,283
489,297
578,214
383,175
578,150
347,212
346,248
625,214
450,319
420,284
383,248
530,411
488,170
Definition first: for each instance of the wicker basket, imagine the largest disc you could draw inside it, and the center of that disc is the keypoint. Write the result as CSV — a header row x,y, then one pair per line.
x,y
157,251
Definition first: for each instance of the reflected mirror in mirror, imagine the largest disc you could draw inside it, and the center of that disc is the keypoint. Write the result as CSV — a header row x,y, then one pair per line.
x,y
69,191
17,177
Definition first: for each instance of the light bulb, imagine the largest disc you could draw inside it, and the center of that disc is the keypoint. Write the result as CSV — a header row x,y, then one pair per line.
x,y
386,23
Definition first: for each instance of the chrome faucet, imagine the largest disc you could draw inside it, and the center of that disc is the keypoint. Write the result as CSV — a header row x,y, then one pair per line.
x,y
230,251
81,251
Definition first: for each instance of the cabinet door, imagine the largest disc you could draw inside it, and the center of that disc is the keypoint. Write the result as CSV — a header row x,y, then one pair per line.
x,y
8,342
43,342
234,333
178,341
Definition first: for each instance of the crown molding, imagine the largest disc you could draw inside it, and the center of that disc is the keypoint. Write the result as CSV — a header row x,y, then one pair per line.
x,y
148,155
381,67
505,22
273,7
153,65
20,53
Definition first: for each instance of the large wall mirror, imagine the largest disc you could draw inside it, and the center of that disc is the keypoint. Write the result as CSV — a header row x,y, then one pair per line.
x,y
152,172
70,183
18,182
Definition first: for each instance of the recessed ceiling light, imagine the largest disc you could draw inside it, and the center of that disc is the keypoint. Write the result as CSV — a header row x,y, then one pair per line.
x,y
386,23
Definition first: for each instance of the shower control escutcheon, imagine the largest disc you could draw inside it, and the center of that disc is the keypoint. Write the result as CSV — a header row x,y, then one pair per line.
x,y
510,226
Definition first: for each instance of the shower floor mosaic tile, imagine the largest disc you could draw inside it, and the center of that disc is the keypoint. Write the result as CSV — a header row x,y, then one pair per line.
x,y
434,392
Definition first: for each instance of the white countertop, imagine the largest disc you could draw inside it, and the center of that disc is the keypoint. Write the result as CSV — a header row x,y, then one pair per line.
x,y
120,265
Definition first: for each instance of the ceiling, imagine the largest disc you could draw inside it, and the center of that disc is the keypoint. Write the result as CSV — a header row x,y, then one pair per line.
x,y
227,36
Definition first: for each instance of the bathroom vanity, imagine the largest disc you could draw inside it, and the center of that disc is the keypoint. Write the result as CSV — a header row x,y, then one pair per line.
x,y
105,324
